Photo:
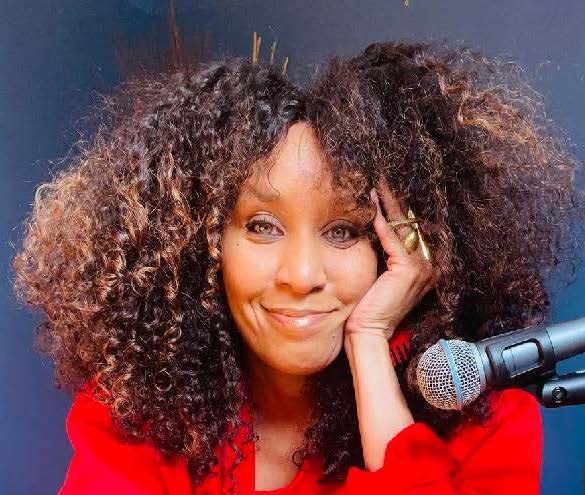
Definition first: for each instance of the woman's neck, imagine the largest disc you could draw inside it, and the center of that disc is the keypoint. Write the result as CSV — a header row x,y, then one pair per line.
x,y
278,398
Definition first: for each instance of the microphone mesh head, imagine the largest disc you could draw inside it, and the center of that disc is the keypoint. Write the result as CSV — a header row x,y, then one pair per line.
x,y
438,381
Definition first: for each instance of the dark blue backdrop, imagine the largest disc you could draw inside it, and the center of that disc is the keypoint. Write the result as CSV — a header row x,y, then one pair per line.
x,y
55,55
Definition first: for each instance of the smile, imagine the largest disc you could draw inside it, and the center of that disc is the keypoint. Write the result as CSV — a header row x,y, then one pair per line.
x,y
300,322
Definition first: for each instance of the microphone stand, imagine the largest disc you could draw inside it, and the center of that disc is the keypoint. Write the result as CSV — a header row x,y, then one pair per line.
x,y
564,390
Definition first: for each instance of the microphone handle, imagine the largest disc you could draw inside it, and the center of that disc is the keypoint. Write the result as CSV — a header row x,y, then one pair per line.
x,y
516,358
567,338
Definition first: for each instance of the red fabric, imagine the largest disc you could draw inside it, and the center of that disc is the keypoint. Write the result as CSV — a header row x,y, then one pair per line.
x,y
501,456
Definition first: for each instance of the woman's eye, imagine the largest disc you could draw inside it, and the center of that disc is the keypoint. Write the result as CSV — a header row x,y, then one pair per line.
x,y
261,227
338,233
342,233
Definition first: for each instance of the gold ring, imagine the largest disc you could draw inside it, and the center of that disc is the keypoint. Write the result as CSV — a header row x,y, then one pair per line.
x,y
415,237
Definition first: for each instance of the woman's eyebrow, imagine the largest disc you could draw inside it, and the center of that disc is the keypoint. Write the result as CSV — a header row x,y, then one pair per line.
x,y
262,195
341,205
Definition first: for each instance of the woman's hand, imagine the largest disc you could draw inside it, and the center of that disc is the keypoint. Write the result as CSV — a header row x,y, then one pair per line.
x,y
382,409
401,287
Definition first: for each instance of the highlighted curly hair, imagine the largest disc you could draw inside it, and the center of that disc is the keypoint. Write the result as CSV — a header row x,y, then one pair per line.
x,y
121,250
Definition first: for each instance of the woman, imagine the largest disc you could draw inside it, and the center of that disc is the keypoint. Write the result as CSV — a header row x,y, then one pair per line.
x,y
224,264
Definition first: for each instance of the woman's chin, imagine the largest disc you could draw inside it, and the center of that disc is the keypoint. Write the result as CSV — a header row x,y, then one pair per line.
x,y
309,362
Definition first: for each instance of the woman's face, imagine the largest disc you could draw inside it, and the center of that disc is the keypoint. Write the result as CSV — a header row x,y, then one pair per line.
x,y
293,266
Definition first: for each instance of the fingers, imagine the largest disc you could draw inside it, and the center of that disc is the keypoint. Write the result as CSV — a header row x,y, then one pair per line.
x,y
393,209
390,241
411,274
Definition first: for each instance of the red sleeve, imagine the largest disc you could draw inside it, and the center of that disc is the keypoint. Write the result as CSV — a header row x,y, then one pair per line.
x,y
502,456
104,464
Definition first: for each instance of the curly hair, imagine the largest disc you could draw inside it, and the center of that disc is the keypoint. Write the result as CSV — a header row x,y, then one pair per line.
x,y
122,248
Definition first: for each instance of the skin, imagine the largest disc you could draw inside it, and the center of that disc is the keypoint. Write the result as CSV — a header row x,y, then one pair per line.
x,y
303,252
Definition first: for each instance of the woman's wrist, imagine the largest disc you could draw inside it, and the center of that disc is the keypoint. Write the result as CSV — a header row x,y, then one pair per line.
x,y
365,349
365,341
381,406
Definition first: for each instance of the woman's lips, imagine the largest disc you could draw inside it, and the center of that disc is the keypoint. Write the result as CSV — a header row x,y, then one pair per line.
x,y
298,322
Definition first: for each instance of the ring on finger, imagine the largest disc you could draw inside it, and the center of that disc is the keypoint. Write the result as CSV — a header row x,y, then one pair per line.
x,y
414,238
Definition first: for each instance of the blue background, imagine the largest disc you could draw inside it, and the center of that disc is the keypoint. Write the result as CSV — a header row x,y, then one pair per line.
x,y
55,56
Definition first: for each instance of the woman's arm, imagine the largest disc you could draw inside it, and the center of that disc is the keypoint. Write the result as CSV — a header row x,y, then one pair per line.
x,y
407,457
402,456
381,407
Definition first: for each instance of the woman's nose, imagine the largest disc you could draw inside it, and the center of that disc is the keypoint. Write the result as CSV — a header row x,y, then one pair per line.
x,y
300,265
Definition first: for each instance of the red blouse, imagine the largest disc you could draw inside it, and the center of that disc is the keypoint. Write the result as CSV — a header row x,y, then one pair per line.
x,y
501,456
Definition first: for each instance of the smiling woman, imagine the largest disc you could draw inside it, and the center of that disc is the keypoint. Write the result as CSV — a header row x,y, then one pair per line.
x,y
295,267
220,280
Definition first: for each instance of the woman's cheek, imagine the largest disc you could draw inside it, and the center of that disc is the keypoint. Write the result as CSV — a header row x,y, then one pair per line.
x,y
357,272
247,267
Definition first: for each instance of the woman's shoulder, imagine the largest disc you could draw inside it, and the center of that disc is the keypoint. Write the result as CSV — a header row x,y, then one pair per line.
x,y
514,408
103,459
515,417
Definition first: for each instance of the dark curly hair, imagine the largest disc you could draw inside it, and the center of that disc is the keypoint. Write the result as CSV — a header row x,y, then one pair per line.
x,y
122,248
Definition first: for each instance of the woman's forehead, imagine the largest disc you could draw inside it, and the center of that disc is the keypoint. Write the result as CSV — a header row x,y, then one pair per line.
x,y
298,168
327,199
270,192
267,181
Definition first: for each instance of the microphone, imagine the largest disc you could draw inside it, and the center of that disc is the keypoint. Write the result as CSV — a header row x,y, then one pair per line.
x,y
453,373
